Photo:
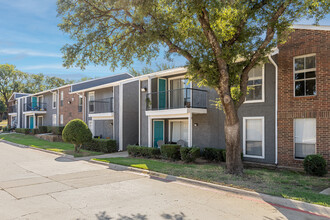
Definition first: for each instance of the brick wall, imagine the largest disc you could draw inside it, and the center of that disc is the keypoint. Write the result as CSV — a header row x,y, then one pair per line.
x,y
69,111
303,42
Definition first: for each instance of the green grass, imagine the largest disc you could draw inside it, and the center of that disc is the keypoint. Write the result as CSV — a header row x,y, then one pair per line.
x,y
287,184
32,141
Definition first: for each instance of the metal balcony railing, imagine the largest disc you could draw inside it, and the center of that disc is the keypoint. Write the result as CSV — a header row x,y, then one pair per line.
x,y
12,109
101,105
35,106
177,98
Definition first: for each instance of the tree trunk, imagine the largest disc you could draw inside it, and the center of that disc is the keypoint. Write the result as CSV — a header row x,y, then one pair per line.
x,y
233,147
76,150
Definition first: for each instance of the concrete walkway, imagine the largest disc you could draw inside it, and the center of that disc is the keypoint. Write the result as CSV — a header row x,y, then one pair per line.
x,y
39,185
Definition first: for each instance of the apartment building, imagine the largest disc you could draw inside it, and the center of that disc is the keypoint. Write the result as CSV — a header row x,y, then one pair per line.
x,y
14,109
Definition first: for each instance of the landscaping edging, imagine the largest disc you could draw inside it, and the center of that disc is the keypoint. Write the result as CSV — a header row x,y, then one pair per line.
x,y
312,209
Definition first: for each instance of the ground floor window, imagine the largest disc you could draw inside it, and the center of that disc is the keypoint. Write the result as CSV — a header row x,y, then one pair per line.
x,y
54,120
61,120
304,137
253,137
40,121
178,130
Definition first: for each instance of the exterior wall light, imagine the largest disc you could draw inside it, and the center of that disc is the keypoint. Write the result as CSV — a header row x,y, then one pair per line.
x,y
143,89
195,124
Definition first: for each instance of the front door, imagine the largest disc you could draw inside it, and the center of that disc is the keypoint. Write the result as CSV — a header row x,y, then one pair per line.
x,y
158,132
161,93
31,122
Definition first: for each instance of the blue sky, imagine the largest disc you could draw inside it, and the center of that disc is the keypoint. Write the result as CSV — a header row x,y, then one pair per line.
x,y
31,40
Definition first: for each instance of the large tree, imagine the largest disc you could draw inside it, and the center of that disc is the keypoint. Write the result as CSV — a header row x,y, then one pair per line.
x,y
211,34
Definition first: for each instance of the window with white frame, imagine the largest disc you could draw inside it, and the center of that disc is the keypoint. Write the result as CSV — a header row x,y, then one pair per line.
x,y
62,97
305,76
178,130
91,126
54,100
255,85
253,137
54,123
80,103
61,119
304,137
91,99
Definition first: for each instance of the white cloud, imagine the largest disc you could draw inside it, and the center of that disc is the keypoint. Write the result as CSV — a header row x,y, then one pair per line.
x,y
28,53
44,66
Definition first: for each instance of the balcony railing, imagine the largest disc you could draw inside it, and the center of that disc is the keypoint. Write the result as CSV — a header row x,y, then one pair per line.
x,y
101,105
12,109
35,106
177,98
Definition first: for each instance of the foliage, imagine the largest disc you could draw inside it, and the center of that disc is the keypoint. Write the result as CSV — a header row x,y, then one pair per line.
x,y
23,130
35,131
43,129
189,154
140,151
101,145
170,151
214,154
77,133
57,130
315,165
146,70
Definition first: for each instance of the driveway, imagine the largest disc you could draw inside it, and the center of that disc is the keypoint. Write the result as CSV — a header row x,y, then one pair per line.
x,y
39,185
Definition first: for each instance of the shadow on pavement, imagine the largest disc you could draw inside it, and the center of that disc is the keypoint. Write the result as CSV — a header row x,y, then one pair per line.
x,y
63,159
104,216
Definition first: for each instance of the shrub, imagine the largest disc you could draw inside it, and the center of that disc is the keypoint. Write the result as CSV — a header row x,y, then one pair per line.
x,y
49,129
0,128
42,129
101,145
35,131
214,154
5,129
139,151
170,151
57,130
77,133
315,165
189,154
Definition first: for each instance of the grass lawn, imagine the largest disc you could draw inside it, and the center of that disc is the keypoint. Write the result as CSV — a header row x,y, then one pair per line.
x,y
32,141
287,184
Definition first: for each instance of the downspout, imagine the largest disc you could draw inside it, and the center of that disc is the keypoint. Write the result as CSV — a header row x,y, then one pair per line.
x,y
276,105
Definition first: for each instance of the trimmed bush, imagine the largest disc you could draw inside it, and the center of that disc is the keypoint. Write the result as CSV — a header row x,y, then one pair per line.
x,y
170,151
57,130
42,129
35,131
77,133
23,130
101,145
315,165
139,151
49,129
214,154
189,154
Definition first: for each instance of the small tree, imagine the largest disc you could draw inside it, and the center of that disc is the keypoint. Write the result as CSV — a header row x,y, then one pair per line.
x,y
77,133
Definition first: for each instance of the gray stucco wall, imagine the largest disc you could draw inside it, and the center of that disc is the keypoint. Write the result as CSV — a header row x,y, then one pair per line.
x,y
130,113
144,118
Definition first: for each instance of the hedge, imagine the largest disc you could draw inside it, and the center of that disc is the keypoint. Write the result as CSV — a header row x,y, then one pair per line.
x,y
315,165
101,145
170,151
35,131
42,129
189,154
214,154
57,130
23,130
140,151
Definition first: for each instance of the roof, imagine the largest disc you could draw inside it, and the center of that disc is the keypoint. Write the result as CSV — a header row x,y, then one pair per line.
x,y
18,95
311,27
167,72
99,82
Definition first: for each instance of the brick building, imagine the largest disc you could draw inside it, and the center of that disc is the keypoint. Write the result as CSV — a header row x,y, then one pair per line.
x,y
70,106
304,95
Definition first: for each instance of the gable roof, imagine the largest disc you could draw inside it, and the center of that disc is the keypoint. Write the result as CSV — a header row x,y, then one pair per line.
x,y
312,27
99,82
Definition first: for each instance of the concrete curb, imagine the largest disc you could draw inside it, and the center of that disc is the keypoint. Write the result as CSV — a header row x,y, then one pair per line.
x,y
313,209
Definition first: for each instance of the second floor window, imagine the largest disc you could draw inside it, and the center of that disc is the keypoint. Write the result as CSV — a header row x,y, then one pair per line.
x,y
255,85
80,102
62,97
91,99
305,76
54,100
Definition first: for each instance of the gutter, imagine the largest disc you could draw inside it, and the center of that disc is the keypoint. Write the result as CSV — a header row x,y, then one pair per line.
x,y
276,102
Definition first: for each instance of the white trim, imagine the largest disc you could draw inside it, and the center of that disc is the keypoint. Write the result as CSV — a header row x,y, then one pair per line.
x,y
263,137
91,127
149,132
139,138
311,27
276,106
13,113
190,131
121,95
168,112
34,112
38,120
106,115
153,131
19,113
262,89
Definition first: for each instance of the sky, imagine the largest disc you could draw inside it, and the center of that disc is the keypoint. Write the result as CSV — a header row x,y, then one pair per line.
x,y
31,40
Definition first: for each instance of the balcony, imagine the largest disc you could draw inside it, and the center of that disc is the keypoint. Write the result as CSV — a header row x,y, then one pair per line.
x,y
12,109
101,106
35,107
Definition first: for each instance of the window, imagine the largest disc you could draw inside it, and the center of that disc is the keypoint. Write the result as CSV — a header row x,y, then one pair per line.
x,y
91,99
304,137
255,85
178,131
80,101
54,100
305,76
91,126
54,120
180,93
61,119
253,137
62,97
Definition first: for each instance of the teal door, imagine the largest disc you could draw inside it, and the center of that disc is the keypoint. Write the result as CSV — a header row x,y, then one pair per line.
x,y
161,93
158,132
31,122
34,102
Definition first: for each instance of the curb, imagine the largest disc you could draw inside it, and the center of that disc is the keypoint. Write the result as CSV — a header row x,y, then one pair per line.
x,y
295,205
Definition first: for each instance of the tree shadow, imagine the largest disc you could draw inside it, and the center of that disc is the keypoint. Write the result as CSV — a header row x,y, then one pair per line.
x,y
104,216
